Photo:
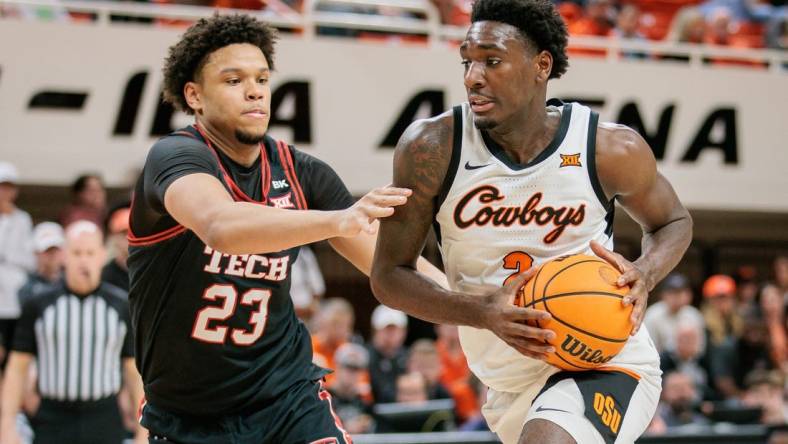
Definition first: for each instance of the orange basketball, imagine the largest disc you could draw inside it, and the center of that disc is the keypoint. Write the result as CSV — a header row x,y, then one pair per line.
x,y
590,323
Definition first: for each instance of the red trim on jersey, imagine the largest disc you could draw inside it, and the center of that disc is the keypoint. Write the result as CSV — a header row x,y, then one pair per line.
x,y
155,238
287,163
236,191
330,440
136,241
324,395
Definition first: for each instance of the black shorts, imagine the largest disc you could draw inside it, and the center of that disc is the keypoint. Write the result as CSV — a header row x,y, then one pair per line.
x,y
84,422
303,415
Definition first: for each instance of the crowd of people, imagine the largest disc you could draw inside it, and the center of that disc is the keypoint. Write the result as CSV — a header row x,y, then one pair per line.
x,y
732,23
728,354
726,357
723,354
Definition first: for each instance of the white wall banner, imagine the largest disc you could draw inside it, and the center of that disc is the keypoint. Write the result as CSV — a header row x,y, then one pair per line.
x,y
77,97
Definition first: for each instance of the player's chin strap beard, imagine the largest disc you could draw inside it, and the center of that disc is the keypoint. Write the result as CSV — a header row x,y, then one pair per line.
x,y
248,139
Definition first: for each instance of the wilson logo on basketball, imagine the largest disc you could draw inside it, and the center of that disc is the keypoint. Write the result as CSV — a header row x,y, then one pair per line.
x,y
605,407
570,160
505,216
580,350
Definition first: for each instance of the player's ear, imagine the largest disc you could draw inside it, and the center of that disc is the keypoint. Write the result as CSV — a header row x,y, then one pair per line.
x,y
192,94
544,65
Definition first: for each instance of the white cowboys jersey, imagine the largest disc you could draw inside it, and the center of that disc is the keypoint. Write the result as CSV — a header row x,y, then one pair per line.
x,y
495,217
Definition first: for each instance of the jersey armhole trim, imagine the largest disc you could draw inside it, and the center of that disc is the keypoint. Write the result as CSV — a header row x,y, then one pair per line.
x,y
136,241
451,172
155,238
454,163
287,164
593,121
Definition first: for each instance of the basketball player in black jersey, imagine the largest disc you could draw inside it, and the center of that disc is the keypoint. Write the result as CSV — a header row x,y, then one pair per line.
x,y
511,50
213,234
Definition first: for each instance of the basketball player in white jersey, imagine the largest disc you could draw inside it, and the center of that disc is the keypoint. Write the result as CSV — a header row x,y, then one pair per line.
x,y
510,182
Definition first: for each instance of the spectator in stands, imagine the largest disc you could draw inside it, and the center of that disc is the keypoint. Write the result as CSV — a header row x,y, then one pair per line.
x,y
79,334
333,327
48,246
777,32
454,365
307,285
424,359
411,387
781,274
598,20
16,253
628,27
347,389
454,12
772,309
718,31
476,421
388,357
688,358
455,374
765,390
732,360
672,309
719,310
116,272
88,201
689,26
678,406
739,10
746,278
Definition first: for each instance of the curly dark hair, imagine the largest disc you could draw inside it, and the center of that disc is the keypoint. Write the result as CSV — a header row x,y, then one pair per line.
x,y
187,57
538,22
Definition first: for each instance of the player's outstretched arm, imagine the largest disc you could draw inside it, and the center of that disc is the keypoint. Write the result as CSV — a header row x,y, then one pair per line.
x,y
360,250
627,170
200,203
421,161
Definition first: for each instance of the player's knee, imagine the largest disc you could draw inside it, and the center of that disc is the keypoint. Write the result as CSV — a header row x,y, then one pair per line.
x,y
542,431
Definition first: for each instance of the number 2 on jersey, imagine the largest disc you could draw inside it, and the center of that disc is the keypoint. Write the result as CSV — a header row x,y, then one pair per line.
x,y
229,296
518,261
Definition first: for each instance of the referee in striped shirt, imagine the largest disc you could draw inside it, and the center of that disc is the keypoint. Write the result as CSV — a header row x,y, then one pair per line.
x,y
79,335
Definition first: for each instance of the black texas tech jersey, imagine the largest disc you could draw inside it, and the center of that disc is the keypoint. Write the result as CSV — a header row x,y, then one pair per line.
x,y
215,333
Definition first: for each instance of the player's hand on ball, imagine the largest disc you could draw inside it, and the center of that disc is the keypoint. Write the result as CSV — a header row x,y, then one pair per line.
x,y
630,275
509,322
376,204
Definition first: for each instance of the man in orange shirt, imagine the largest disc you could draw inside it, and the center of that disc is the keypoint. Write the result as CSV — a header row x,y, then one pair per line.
x,y
333,327
455,373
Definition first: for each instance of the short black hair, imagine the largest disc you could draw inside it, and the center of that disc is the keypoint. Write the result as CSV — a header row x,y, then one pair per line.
x,y
204,37
537,20
81,183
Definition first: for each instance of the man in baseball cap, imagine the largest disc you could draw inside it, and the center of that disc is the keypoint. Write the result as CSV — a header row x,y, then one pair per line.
x,y
388,358
673,308
350,389
48,243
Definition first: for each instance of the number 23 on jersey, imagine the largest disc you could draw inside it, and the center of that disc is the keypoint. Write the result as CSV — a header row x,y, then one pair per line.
x,y
257,298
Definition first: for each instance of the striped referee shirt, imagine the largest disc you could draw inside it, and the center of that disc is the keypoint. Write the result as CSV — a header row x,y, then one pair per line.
x,y
78,340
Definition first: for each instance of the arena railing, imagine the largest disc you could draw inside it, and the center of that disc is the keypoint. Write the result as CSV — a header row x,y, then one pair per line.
x,y
422,19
